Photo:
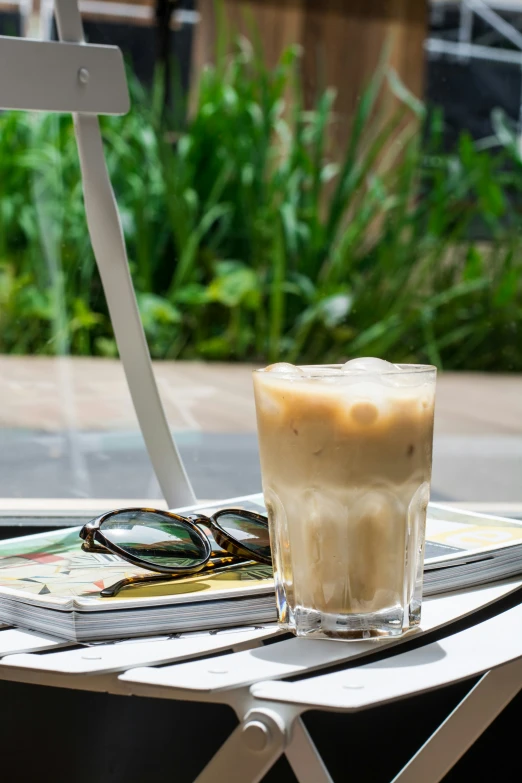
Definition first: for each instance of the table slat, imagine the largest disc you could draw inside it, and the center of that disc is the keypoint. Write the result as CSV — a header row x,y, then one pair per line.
x,y
466,654
14,640
294,656
105,658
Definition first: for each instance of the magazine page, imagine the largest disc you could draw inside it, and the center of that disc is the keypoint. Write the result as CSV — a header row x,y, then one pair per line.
x,y
452,533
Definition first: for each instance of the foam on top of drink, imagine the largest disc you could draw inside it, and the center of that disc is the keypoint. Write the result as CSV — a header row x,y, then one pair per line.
x,y
361,393
363,371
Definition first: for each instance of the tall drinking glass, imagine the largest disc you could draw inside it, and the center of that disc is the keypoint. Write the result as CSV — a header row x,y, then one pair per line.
x,y
346,467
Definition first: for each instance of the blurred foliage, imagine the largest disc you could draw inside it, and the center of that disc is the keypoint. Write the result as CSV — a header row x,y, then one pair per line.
x,y
250,237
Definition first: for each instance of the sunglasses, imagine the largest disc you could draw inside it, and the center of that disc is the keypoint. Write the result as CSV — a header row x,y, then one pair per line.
x,y
173,546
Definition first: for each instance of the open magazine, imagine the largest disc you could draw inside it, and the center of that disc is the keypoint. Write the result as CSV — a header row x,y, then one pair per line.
x,y
47,583
465,549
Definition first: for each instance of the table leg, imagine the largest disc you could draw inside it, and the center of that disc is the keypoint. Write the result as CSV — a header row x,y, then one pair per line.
x,y
464,725
250,751
304,757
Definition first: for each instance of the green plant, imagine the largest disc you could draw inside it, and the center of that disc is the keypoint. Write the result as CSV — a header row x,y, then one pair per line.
x,y
250,239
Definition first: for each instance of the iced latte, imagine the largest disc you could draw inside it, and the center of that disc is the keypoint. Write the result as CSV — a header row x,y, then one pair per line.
x,y
346,465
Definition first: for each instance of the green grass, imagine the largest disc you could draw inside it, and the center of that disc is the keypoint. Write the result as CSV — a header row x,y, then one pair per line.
x,y
249,239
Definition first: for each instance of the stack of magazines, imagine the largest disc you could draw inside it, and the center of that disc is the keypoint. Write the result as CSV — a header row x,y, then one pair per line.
x,y
47,583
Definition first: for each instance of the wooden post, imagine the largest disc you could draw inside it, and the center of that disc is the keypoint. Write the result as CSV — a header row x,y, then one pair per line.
x,y
342,40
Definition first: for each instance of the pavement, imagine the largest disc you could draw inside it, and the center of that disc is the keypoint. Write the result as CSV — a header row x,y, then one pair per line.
x,y
68,430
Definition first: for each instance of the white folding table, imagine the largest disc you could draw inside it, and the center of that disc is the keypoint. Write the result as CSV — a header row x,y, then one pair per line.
x,y
86,80
253,679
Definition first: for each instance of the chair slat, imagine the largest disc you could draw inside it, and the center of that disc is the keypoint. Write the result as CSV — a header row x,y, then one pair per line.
x,y
52,80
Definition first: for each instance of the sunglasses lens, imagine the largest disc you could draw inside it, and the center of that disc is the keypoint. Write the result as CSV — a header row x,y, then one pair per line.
x,y
155,538
250,533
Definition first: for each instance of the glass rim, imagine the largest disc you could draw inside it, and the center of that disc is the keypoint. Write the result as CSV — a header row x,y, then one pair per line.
x,y
335,371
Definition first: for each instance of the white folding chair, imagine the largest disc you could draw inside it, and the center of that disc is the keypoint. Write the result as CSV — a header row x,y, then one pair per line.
x,y
250,679
71,76
86,81
270,710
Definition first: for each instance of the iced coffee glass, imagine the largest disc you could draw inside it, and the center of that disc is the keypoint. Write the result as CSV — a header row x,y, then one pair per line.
x,y
346,467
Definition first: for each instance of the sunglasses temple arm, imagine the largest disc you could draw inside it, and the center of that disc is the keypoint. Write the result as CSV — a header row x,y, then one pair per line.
x,y
218,565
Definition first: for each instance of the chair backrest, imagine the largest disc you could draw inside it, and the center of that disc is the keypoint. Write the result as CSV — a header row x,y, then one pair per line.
x,y
86,81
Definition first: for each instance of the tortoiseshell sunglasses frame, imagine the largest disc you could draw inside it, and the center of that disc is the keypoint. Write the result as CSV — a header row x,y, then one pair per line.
x,y
95,541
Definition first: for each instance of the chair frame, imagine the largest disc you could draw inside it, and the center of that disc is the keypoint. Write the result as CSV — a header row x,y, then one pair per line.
x,y
86,81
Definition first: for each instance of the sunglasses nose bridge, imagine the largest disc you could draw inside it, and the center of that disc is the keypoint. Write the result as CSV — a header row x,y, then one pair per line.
x,y
202,518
